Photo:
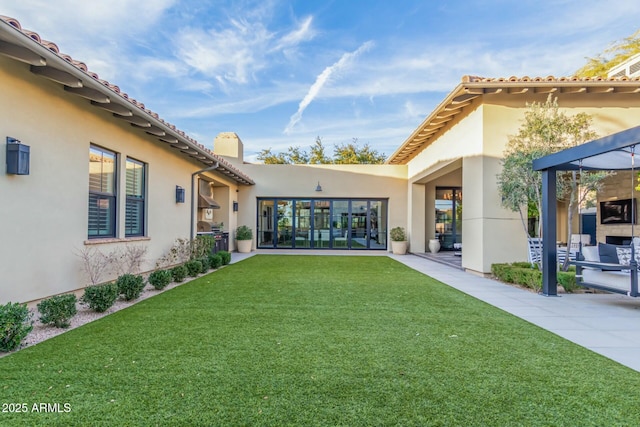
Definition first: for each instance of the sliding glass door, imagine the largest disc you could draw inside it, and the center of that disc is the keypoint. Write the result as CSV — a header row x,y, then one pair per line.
x,y
448,217
322,223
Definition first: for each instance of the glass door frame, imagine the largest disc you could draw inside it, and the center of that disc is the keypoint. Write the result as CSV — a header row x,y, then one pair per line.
x,y
456,229
335,239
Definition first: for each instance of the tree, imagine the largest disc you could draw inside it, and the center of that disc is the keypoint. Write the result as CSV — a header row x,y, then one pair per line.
x,y
352,154
545,130
269,158
349,153
318,156
615,55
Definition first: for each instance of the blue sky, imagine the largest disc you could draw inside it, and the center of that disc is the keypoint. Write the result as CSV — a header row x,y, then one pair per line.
x,y
279,73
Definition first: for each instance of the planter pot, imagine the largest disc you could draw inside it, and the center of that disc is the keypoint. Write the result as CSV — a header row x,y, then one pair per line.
x,y
434,245
244,246
399,248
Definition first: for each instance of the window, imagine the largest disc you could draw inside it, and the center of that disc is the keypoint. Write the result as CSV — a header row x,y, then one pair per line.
x,y
102,193
135,190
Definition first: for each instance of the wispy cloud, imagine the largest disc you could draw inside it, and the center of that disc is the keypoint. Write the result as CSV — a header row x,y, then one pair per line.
x,y
321,80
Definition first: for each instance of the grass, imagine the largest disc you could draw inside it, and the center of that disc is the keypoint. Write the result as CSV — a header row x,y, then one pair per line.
x,y
316,340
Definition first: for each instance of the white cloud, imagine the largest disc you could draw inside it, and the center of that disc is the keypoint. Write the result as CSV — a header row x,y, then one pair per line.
x,y
301,34
321,80
230,55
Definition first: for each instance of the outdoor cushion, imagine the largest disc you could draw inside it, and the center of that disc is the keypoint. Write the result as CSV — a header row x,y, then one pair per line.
x,y
608,253
590,253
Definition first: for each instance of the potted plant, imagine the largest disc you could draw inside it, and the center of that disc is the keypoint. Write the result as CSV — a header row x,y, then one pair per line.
x,y
398,241
244,236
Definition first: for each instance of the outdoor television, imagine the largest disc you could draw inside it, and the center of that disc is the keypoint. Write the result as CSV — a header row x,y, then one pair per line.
x,y
618,211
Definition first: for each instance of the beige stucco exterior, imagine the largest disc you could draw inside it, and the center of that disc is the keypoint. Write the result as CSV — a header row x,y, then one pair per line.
x,y
54,105
467,154
44,214
337,181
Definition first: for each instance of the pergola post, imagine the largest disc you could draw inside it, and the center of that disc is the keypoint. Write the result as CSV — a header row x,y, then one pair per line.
x,y
549,250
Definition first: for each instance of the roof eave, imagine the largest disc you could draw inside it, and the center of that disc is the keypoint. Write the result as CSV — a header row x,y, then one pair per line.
x,y
91,85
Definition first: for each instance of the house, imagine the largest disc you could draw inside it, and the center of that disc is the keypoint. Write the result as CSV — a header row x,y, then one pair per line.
x,y
98,170
89,167
453,158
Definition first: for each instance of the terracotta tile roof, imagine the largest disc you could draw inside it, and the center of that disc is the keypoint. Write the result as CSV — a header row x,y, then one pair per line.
x,y
193,149
475,90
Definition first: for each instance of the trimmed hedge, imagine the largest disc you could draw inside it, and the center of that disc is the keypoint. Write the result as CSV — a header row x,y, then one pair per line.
x,y
100,297
206,265
58,310
179,273
159,279
130,286
215,261
226,257
15,325
194,267
523,273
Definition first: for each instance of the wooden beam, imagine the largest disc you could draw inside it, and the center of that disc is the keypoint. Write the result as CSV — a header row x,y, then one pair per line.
x,y
545,89
114,108
517,90
573,89
626,89
169,139
86,92
136,120
601,89
56,75
21,54
153,130
463,98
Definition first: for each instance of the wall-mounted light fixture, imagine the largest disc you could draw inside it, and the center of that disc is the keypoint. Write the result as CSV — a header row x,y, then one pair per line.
x,y
318,188
235,206
17,157
179,194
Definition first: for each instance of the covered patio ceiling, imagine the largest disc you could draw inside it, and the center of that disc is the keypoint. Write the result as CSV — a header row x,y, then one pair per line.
x,y
613,152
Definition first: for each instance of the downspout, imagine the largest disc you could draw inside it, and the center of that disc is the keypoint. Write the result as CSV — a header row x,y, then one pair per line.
x,y
193,195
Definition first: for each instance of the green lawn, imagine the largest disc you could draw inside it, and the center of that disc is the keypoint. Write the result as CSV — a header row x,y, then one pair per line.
x,y
316,340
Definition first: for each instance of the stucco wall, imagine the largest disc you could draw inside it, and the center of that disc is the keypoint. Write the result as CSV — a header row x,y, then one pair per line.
x,y
492,234
354,181
44,214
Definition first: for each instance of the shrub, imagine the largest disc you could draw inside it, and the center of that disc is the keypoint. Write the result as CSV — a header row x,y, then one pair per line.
x,y
130,286
523,273
194,267
243,232
206,265
202,245
159,279
398,235
215,261
58,310
568,280
179,273
15,324
225,256
100,297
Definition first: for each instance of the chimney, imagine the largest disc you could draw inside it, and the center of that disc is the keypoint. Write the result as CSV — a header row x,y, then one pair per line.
x,y
228,144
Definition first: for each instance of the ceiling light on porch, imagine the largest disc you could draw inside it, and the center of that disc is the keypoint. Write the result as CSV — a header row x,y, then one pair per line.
x,y
318,188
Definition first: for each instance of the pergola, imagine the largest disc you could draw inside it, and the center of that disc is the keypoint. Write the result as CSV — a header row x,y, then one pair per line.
x,y
613,152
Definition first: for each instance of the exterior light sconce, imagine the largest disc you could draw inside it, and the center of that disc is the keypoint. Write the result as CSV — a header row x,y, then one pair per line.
x,y
318,188
235,206
17,157
179,194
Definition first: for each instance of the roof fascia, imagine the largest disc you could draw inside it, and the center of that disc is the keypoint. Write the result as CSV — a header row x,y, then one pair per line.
x,y
55,61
